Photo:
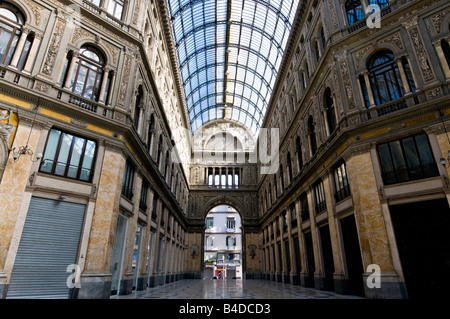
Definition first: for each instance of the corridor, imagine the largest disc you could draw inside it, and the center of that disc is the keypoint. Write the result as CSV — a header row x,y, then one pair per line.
x,y
232,289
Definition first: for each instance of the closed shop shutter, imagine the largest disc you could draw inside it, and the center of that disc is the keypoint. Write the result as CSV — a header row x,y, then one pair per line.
x,y
49,244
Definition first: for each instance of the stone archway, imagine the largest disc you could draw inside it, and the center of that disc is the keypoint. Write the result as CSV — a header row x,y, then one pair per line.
x,y
223,242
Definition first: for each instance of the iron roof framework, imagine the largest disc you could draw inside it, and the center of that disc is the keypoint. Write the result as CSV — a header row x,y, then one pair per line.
x,y
229,53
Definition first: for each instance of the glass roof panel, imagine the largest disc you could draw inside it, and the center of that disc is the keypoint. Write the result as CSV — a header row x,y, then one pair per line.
x,y
229,52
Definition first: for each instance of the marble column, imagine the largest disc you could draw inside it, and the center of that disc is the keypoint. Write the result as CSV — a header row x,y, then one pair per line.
x,y
33,51
96,278
373,237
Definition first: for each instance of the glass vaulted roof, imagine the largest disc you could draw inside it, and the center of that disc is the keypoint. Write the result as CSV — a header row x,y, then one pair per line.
x,y
229,53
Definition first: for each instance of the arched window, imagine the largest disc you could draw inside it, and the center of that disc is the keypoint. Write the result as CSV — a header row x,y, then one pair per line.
x,y
289,166
166,166
316,50
354,11
88,74
298,149
151,132
330,111
275,186
281,178
385,79
137,107
158,160
270,194
11,23
303,80
265,198
312,135
322,38
172,173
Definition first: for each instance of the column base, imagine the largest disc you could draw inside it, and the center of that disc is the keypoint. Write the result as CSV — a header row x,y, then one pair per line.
x,y
340,284
3,286
141,284
153,281
254,275
294,279
193,275
95,286
306,281
391,287
279,277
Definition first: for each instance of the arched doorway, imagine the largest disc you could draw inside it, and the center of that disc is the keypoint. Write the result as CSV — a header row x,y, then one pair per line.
x,y
223,242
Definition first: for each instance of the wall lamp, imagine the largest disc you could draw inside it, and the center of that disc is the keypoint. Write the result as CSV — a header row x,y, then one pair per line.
x,y
25,150
444,161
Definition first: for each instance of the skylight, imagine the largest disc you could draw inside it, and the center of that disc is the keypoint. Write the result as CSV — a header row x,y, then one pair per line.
x,y
229,53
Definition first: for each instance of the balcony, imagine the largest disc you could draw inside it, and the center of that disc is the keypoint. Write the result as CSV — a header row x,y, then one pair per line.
x,y
127,192
363,22
103,13
320,207
342,193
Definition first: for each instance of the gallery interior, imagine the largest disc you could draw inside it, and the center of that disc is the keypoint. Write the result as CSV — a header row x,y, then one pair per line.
x,y
148,142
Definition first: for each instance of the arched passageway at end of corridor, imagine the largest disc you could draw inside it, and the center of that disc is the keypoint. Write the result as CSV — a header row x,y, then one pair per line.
x,y
223,242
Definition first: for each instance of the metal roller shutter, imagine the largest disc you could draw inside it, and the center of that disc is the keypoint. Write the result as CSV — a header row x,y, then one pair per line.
x,y
49,244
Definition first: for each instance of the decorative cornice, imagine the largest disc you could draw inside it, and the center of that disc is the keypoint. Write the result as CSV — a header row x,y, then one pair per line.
x,y
168,36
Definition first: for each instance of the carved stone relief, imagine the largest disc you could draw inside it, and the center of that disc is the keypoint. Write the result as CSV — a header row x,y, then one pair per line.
x,y
53,50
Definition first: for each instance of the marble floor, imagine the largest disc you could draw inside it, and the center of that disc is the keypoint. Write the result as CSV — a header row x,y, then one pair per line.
x,y
232,289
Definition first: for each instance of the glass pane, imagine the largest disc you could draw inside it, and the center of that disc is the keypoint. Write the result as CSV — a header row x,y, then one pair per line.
x,y
426,156
63,156
88,161
78,147
412,158
81,80
399,161
50,151
8,14
381,90
10,52
386,164
5,37
89,90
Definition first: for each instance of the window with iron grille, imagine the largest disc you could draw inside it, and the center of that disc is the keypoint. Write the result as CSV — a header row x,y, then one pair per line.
x,y
319,197
407,159
127,184
304,207
341,182
143,199
231,223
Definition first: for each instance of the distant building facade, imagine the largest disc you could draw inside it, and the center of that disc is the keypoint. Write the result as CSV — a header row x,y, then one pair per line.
x,y
223,243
